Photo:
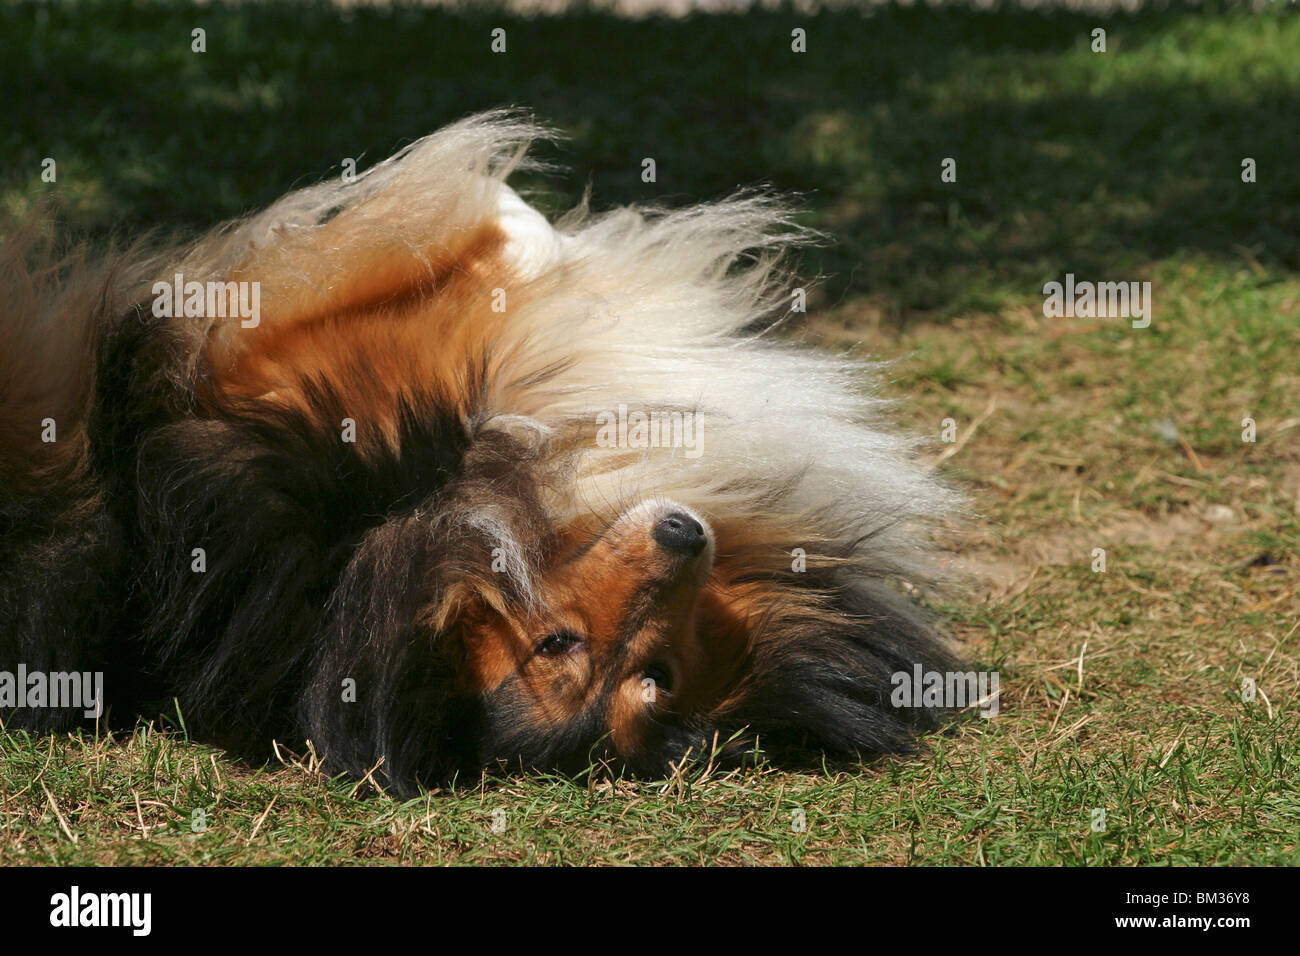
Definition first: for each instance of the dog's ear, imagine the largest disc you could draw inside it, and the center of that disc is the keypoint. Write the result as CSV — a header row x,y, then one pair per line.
x,y
822,675
386,695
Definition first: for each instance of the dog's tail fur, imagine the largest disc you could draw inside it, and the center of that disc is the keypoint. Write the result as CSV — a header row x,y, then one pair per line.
x,y
56,553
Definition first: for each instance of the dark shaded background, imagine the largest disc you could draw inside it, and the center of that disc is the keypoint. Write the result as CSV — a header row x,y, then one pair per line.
x,y
1068,160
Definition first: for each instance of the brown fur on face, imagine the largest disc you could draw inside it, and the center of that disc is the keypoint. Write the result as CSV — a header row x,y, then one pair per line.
x,y
617,632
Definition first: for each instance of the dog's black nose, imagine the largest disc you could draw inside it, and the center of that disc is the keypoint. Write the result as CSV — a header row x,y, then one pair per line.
x,y
681,533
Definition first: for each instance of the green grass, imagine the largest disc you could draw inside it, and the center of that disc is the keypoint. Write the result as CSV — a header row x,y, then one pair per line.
x,y
1225,793
1120,690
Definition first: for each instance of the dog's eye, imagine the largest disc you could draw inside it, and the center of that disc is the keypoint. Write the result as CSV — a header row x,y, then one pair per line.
x,y
661,674
561,642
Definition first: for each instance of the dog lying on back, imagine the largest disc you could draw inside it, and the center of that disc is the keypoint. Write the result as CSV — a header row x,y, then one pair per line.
x,y
399,468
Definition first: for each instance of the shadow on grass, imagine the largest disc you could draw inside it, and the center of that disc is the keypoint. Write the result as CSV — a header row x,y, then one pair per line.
x,y
1067,160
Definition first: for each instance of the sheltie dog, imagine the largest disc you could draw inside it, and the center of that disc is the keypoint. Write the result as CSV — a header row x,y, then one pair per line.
x,y
400,471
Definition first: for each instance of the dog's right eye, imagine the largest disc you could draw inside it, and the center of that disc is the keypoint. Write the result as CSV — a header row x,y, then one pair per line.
x,y
561,642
